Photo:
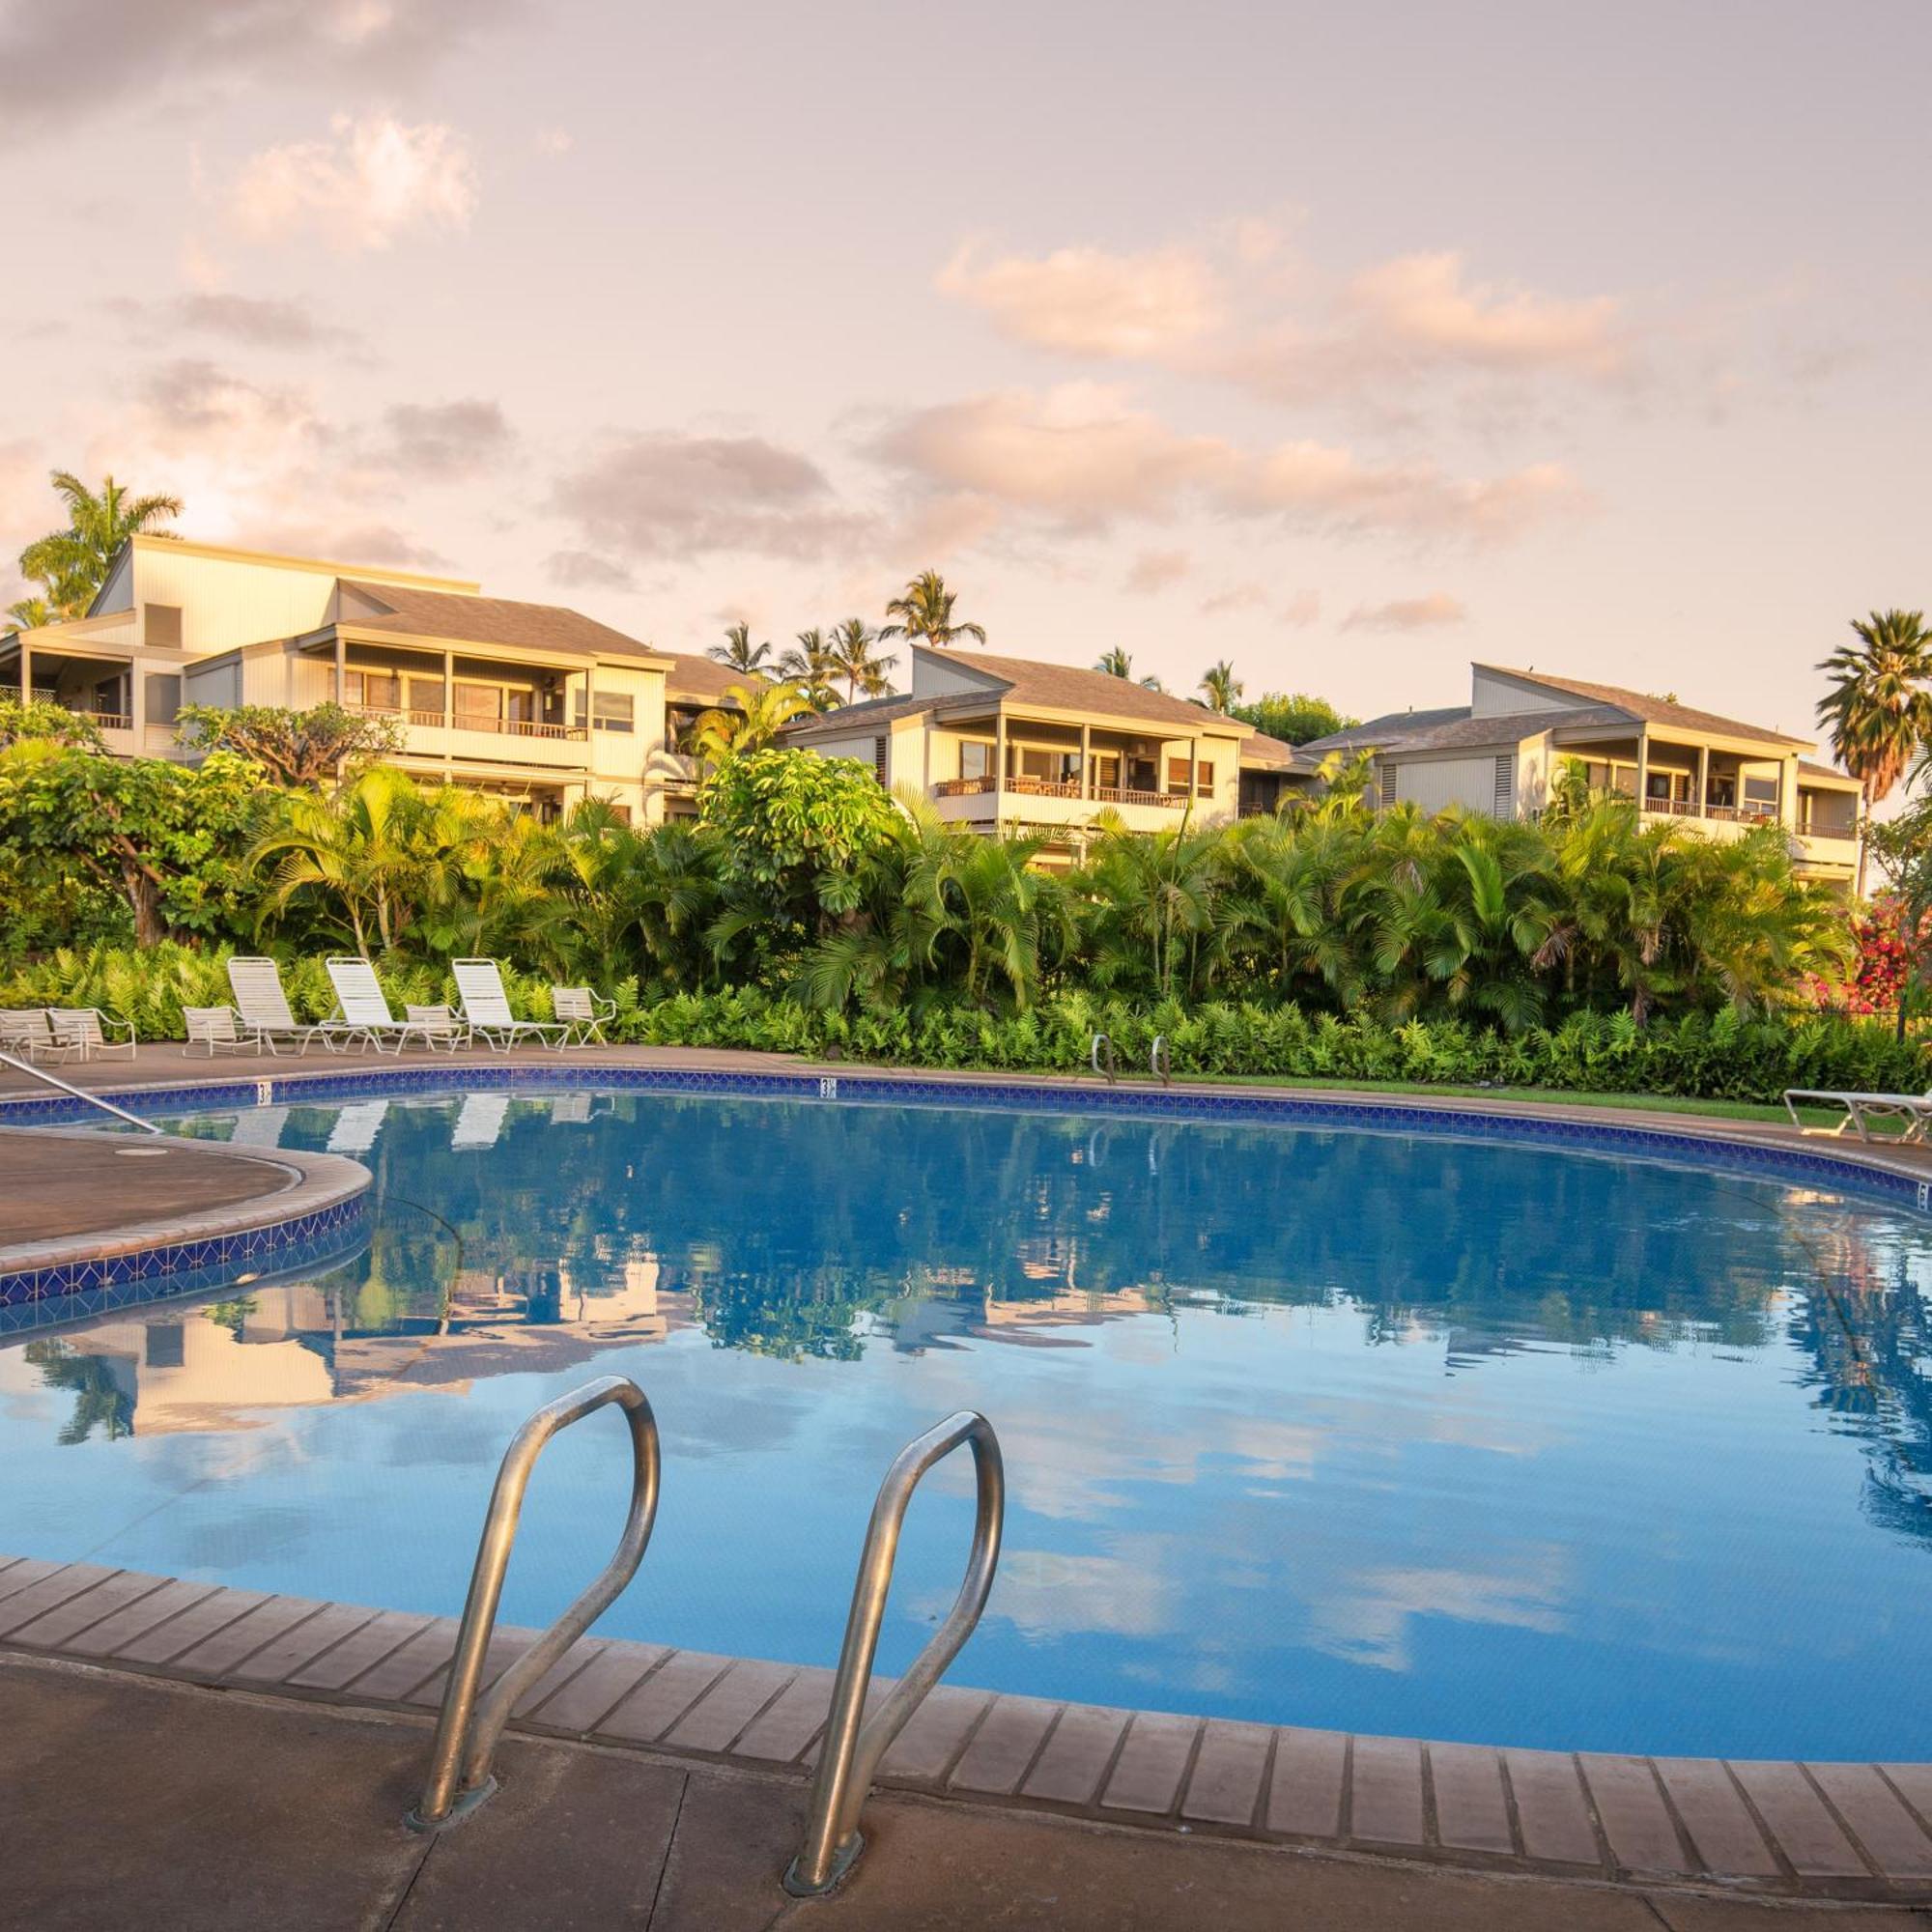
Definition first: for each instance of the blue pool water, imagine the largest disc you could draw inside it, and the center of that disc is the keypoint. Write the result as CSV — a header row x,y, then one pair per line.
x,y
1441,1437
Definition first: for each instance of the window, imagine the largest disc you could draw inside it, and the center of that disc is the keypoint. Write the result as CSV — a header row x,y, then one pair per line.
x,y
373,690
165,1344
161,624
479,705
1107,770
976,760
164,701
426,695
613,711
1204,775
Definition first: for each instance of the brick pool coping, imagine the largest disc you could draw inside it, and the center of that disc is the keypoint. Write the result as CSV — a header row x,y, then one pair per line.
x,y
1860,1832
307,1205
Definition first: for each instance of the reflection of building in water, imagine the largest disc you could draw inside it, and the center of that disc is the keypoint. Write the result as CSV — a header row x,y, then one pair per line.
x,y
944,1306
232,1365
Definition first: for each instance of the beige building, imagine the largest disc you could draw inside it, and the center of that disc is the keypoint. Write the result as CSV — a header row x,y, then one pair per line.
x,y
1504,751
1005,745
531,700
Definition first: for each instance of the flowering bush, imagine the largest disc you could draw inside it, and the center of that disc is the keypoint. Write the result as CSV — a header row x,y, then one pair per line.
x,y
1882,968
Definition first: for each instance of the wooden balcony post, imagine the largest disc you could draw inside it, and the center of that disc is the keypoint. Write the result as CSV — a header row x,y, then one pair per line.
x,y
998,765
1086,759
1703,780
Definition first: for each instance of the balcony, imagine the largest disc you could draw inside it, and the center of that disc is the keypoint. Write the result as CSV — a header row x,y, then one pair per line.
x,y
1751,813
1068,788
496,728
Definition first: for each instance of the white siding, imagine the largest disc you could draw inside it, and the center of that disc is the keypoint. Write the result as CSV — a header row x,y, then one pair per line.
x,y
1436,782
224,602
1491,696
212,684
933,674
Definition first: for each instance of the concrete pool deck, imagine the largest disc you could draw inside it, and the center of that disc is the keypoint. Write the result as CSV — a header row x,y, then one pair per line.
x,y
1609,1825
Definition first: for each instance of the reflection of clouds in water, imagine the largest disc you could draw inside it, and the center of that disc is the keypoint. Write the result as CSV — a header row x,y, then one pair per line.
x,y
1046,1593
1367,1618
227,1544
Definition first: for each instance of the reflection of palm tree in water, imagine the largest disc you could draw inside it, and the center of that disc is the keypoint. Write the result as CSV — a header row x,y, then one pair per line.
x,y
100,1402
1870,1338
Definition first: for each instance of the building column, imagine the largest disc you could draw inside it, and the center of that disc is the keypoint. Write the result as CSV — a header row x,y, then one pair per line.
x,y
1642,770
341,670
1703,780
1086,759
1193,772
1787,793
998,765
26,673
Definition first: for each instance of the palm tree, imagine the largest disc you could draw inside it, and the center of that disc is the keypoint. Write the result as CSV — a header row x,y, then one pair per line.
x,y
1222,686
74,563
855,660
1878,708
811,665
762,711
925,610
738,652
1116,663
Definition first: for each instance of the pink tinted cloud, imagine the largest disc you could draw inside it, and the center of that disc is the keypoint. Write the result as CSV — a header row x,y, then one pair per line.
x,y
1408,613
1089,302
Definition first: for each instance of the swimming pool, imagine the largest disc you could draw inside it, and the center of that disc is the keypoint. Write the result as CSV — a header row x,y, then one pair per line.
x,y
1370,1430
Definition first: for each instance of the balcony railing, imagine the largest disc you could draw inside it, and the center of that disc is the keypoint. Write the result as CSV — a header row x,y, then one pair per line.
x,y
1059,788
511,727
107,720
1753,811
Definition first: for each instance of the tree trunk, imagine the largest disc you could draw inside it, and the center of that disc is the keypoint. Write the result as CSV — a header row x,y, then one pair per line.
x,y
145,900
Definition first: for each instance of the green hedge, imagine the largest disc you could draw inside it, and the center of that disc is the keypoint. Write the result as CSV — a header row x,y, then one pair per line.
x,y
1724,1057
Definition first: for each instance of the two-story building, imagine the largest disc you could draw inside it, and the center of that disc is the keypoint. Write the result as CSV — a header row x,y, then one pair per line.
x,y
1504,751
1011,746
533,701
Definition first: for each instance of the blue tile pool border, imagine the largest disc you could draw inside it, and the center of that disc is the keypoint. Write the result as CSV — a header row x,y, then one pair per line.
x,y
1841,1170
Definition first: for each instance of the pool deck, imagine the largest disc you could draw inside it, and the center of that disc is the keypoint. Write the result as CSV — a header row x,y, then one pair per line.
x,y
224,1739
1204,1800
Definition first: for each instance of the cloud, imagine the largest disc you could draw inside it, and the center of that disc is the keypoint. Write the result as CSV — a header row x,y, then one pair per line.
x,y
585,570
1424,303
1091,302
1081,457
551,142
255,322
197,48
374,179
1235,307
350,543
1302,609
1154,570
1408,613
1237,597
676,496
190,406
436,441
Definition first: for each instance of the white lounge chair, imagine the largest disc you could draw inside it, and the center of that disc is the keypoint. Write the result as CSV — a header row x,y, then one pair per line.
x,y
365,1009
486,1009
479,1120
442,1021
213,1030
1912,1112
27,1030
262,1015
583,1013
356,1126
90,1032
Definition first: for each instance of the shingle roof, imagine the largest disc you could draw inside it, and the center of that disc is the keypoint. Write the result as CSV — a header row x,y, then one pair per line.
x,y
1810,768
704,680
488,620
1064,688
1651,709
868,711
1263,753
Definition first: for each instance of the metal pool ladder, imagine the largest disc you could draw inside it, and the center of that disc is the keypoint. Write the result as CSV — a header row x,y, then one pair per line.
x,y
81,1093
852,1748
467,1731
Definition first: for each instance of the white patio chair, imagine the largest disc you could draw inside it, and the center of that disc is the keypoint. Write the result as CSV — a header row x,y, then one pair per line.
x,y
91,1031
213,1030
583,1013
356,1126
261,1014
1912,1113
479,1120
27,1030
365,1009
571,1110
486,1009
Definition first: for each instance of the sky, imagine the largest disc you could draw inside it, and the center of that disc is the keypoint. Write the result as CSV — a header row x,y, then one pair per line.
x,y
1348,344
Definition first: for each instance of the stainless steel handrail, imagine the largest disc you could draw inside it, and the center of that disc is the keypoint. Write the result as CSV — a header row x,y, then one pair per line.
x,y
1111,1070
467,1730
1160,1060
81,1093
851,1754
